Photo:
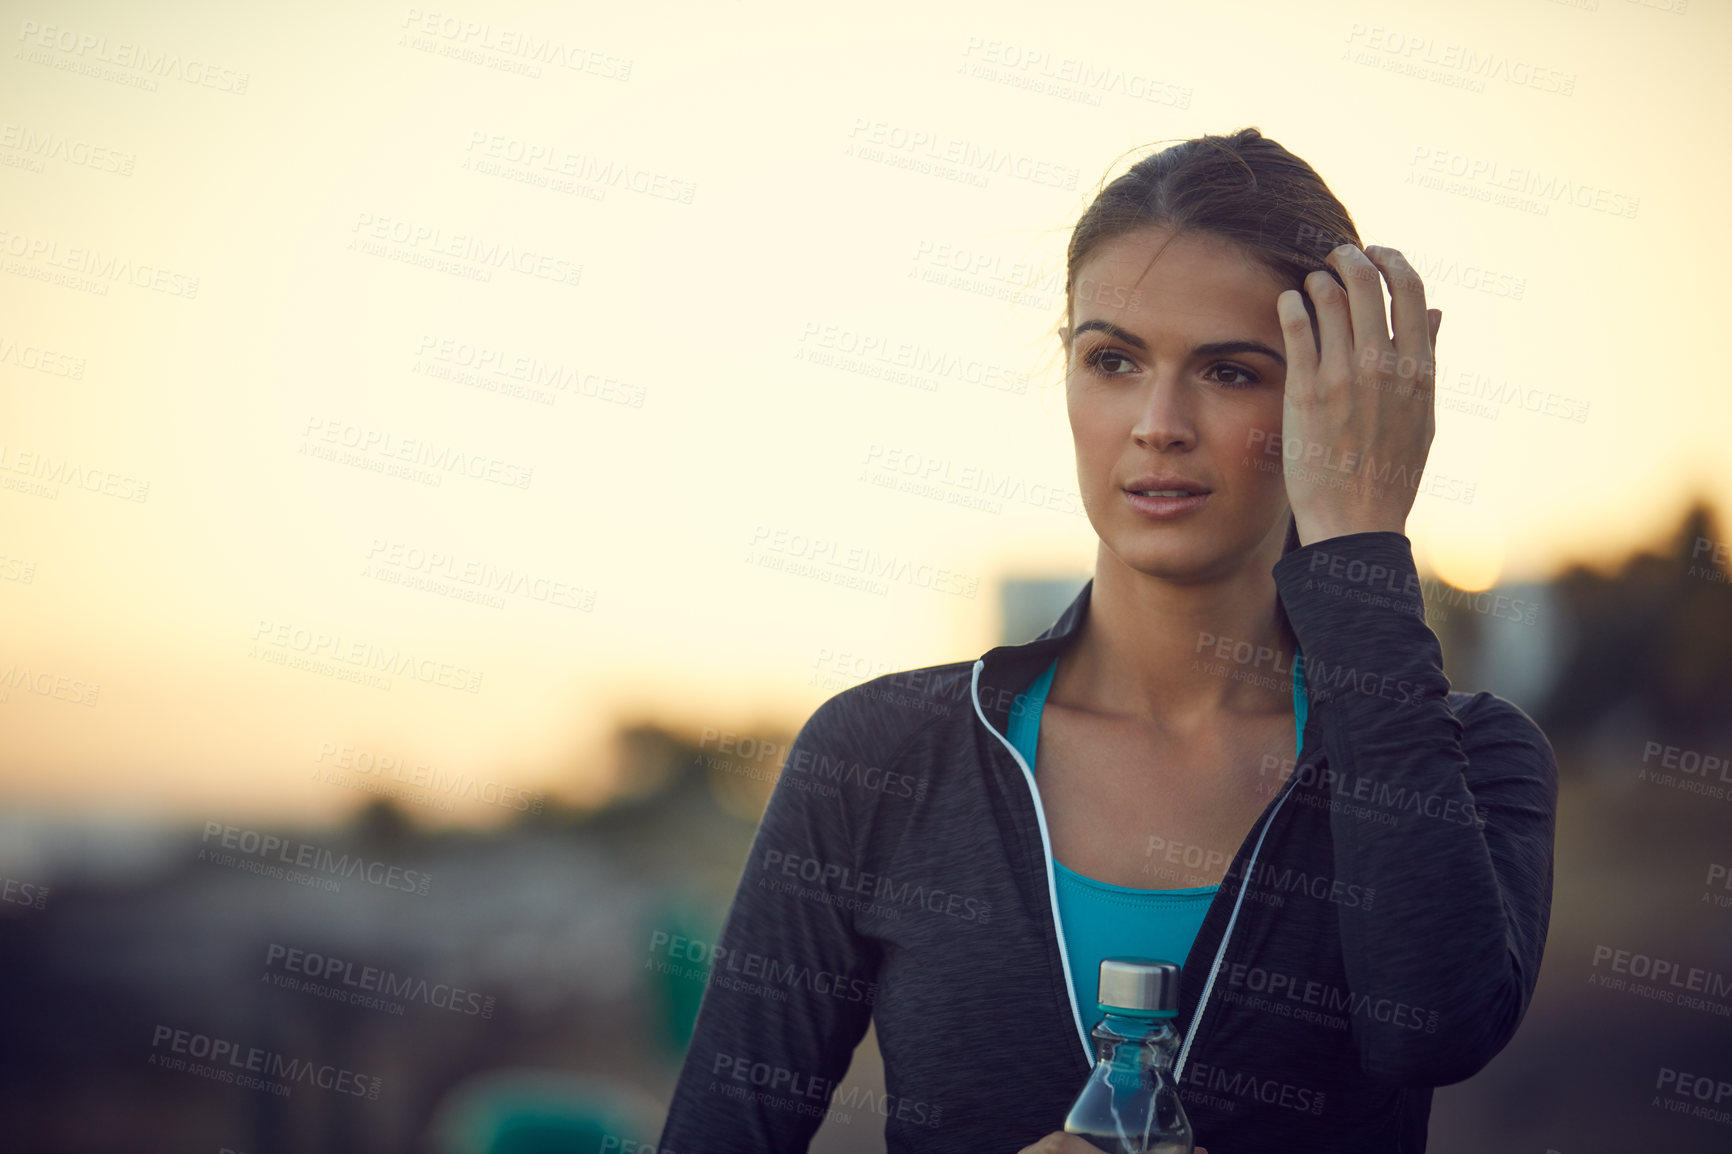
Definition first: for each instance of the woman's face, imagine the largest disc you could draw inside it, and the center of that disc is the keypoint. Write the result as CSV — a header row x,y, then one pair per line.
x,y
1176,369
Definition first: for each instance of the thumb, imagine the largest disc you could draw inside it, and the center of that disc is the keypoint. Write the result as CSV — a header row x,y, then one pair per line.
x,y
1434,320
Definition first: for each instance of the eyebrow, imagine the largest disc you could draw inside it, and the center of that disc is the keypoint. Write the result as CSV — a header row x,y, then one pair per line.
x,y
1215,349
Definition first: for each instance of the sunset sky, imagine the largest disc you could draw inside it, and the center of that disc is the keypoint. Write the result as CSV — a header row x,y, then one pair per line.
x,y
584,312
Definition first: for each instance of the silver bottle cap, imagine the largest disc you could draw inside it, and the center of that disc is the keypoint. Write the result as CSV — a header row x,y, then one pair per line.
x,y
1140,985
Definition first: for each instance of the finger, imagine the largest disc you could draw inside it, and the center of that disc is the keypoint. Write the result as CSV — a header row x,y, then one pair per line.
x,y
1364,281
1407,312
1301,345
1435,316
1335,328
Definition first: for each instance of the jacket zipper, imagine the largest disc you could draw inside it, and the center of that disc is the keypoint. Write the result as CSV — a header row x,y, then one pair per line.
x,y
1226,934
1046,847
1052,890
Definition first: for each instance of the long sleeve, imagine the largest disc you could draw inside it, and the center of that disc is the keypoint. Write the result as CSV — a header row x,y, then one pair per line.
x,y
1450,821
792,984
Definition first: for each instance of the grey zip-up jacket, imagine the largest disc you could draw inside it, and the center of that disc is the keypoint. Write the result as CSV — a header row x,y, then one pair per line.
x,y
1378,932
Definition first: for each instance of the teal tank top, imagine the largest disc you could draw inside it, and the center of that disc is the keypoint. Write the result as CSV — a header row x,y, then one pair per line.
x,y
1103,920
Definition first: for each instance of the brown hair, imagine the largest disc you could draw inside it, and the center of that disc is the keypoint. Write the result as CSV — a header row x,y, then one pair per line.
x,y
1243,187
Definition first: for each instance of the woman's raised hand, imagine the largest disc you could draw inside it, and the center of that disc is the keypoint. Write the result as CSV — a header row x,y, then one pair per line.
x,y
1359,413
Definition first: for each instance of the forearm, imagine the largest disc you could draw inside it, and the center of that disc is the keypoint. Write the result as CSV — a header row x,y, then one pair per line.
x,y
1446,957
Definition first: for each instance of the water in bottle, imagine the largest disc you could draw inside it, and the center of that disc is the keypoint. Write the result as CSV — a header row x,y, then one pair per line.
x,y
1129,1105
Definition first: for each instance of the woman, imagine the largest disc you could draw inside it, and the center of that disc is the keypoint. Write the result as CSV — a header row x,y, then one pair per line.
x,y
1244,704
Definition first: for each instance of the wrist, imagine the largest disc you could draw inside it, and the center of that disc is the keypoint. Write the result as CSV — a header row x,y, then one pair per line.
x,y
1311,532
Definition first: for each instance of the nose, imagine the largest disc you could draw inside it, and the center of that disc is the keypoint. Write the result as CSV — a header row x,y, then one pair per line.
x,y
1164,419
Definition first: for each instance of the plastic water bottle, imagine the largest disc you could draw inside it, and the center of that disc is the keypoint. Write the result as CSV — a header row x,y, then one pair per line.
x,y
1129,1105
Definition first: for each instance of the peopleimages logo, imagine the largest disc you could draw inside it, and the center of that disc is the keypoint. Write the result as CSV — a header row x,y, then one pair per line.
x,y
869,138
875,888
716,963
287,643
1385,801
1282,880
816,764
1242,1084
354,983
1667,980
222,1060
262,848
1329,999
106,267
365,769
1698,1095
165,64
23,893
794,1085
50,471
826,555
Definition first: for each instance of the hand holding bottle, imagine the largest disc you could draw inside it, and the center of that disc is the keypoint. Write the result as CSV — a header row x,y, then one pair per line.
x,y
1130,1105
1058,1142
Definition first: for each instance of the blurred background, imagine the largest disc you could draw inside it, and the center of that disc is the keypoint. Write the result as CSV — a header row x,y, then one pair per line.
x,y
445,454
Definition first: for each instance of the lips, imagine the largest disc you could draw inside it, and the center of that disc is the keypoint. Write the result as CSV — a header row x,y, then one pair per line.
x,y
1162,484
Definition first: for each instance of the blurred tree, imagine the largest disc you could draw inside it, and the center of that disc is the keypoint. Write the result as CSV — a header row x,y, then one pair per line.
x,y
383,825
1651,643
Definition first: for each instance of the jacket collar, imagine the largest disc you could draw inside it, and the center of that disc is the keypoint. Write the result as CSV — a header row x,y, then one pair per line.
x,y
1007,670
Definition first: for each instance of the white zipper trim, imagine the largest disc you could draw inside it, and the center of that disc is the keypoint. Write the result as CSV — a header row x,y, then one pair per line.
x,y
1046,845
1052,892
1250,867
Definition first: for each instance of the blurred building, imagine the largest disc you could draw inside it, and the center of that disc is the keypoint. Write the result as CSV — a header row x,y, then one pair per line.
x,y
1029,605
1508,640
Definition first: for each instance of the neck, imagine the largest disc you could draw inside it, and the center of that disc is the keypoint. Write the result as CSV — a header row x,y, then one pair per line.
x,y
1185,657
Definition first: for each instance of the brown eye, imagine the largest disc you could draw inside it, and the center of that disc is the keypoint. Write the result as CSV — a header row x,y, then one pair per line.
x,y
1247,377
1096,359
